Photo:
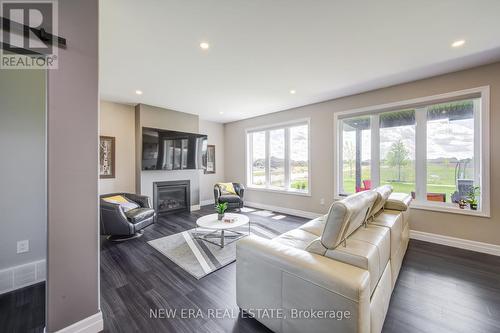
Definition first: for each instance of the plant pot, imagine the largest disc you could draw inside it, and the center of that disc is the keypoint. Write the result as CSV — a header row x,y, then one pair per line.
x,y
220,216
473,206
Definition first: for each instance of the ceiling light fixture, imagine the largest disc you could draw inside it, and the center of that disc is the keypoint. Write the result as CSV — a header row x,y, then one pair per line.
x,y
292,92
458,43
138,92
221,112
204,45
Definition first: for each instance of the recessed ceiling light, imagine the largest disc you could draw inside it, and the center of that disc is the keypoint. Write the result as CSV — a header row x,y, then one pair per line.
x,y
221,112
458,43
138,92
204,45
292,92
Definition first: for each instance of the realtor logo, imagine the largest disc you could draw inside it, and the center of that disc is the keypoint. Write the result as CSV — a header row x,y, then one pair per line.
x,y
28,34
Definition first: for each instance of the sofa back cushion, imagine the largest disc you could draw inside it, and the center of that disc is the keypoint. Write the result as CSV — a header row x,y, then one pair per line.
x,y
383,193
345,216
398,201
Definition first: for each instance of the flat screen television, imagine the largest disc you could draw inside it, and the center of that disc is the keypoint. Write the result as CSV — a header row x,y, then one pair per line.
x,y
172,150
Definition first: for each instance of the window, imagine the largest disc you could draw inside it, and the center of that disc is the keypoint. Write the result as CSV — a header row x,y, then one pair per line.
x,y
397,150
356,135
258,159
279,158
430,148
299,157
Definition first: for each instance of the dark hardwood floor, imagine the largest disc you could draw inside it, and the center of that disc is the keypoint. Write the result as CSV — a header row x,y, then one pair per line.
x,y
23,310
440,289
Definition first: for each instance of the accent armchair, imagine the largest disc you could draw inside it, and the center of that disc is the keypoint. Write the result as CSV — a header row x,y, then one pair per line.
x,y
121,222
234,201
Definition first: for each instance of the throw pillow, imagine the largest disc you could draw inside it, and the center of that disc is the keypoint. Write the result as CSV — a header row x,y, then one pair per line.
x,y
122,201
227,188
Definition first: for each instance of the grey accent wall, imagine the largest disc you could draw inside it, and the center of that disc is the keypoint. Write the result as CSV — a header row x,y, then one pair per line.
x,y
118,120
155,117
73,106
322,134
23,190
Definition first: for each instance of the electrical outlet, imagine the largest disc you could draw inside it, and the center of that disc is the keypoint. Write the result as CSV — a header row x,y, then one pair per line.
x,y
23,246
322,201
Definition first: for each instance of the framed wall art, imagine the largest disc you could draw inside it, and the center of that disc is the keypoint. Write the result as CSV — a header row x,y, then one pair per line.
x,y
106,157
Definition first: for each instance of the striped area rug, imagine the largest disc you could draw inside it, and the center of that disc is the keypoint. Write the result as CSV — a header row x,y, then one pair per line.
x,y
200,258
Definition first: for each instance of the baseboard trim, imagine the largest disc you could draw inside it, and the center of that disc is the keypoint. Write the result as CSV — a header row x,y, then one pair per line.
x,y
207,202
284,210
195,208
17,277
456,242
92,324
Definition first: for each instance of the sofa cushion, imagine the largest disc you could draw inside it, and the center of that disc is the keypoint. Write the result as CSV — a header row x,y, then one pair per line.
x,y
367,248
296,238
345,216
139,214
398,201
315,226
230,198
393,220
383,193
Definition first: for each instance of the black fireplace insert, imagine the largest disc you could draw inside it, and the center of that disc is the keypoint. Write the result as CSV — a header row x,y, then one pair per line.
x,y
171,196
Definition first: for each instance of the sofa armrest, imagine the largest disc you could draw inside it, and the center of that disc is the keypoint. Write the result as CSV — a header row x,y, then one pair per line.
x,y
240,189
270,275
113,220
141,200
216,193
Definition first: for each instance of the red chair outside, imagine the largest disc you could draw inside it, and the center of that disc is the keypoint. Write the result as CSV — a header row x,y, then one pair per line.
x,y
367,185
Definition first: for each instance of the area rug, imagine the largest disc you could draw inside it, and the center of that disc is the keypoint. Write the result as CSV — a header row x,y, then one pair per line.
x,y
200,258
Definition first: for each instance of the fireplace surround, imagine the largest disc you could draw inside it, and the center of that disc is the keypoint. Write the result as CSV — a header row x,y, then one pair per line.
x,y
171,196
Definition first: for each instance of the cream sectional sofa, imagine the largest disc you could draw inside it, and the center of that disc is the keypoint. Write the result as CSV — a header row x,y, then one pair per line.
x,y
335,273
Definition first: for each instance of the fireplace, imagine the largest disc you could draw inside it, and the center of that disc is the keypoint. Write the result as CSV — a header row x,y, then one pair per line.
x,y
171,196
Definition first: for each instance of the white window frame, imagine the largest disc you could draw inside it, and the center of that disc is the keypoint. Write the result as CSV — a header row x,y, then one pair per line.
x,y
481,147
249,149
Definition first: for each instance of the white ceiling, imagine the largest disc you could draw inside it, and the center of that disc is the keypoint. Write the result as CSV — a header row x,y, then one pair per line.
x,y
260,50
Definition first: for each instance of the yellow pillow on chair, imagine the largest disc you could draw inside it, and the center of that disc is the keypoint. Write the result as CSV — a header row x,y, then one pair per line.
x,y
227,188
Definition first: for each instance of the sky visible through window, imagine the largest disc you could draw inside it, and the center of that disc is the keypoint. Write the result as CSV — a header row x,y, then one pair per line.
x,y
298,148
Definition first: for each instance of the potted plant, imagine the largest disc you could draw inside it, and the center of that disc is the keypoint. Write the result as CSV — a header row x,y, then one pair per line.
x,y
472,197
221,208
462,203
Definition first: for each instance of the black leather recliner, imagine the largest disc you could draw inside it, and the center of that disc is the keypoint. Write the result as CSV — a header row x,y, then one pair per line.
x,y
234,201
119,225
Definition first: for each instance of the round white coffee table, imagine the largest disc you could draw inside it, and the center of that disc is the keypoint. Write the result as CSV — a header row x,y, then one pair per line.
x,y
219,228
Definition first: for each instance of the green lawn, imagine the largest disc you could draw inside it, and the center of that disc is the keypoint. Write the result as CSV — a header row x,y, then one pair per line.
x,y
440,178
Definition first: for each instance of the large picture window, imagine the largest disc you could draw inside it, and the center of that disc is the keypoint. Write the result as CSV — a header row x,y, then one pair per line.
x,y
278,158
433,150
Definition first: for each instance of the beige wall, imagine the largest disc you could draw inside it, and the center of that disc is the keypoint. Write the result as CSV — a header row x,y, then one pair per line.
x,y
72,142
322,135
118,120
215,132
